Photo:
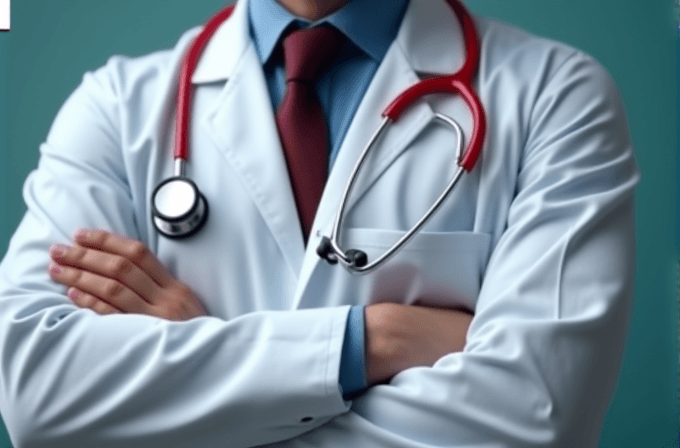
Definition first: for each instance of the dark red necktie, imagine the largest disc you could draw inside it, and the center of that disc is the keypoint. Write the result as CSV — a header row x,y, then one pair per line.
x,y
300,118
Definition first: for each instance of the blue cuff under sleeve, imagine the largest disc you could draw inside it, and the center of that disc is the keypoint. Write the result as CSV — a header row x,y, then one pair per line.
x,y
353,360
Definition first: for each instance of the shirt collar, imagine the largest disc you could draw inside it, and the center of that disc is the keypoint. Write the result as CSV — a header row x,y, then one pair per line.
x,y
371,24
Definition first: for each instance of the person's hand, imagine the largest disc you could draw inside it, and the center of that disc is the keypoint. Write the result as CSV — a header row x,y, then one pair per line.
x,y
401,336
111,274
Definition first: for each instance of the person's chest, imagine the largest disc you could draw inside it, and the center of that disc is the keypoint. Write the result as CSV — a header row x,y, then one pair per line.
x,y
250,255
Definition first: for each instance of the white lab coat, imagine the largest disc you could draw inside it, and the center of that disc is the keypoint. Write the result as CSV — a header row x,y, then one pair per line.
x,y
537,240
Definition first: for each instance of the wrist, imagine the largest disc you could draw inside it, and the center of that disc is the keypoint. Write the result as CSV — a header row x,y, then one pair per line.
x,y
385,343
399,337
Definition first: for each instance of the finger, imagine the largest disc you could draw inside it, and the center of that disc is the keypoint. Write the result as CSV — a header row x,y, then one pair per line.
x,y
109,290
133,250
107,265
85,300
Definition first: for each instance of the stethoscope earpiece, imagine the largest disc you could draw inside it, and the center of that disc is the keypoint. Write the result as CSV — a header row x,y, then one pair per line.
x,y
325,251
178,207
357,258
353,258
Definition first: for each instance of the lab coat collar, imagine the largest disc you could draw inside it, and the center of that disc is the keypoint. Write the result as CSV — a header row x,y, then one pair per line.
x,y
431,38
225,48
240,121
371,24
428,27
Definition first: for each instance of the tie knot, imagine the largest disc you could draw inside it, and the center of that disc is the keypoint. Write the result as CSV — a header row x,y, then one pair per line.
x,y
308,52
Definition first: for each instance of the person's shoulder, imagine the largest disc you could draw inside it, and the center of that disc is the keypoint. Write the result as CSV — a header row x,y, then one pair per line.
x,y
501,41
512,48
122,96
123,73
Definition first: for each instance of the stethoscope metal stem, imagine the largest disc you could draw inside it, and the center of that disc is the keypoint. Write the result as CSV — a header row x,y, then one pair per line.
x,y
179,167
348,188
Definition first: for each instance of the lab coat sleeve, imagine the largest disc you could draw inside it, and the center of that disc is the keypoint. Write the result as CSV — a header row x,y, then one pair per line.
x,y
544,348
70,378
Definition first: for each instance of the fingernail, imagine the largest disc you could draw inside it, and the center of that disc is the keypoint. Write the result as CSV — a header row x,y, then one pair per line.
x,y
80,234
74,293
54,269
57,250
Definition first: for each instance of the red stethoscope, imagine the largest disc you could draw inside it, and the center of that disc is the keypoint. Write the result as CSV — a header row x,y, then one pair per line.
x,y
179,209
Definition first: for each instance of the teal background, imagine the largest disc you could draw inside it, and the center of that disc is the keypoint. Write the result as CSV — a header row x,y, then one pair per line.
x,y
51,44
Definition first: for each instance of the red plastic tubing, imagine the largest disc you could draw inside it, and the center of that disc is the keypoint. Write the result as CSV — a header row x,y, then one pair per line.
x,y
458,83
184,93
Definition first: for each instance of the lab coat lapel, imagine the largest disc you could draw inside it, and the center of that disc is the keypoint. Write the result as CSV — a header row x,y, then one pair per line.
x,y
242,125
428,27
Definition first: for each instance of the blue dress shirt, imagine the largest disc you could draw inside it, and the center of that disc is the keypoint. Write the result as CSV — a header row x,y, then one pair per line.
x,y
370,27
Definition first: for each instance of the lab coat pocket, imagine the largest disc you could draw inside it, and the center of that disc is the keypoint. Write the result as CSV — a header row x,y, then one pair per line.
x,y
442,269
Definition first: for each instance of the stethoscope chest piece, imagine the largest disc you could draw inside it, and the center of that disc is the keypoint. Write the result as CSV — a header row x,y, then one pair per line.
x,y
178,207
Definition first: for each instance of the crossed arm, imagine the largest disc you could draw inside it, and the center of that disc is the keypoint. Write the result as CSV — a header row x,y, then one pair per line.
x,y
541,356
70,376
111,274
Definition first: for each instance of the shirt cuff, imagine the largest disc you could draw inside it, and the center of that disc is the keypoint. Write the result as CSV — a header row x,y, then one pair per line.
x,y
353,360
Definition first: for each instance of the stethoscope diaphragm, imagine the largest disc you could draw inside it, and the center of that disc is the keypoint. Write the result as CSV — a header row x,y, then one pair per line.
x,y
178,207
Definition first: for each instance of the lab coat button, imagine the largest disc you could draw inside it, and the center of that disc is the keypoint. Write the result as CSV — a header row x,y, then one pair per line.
x,y
306,419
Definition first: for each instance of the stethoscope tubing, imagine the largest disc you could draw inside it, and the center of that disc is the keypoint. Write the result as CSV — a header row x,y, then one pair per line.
x,y
195,214
329,249
460,82
185,92
447,84
334,240
356,261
